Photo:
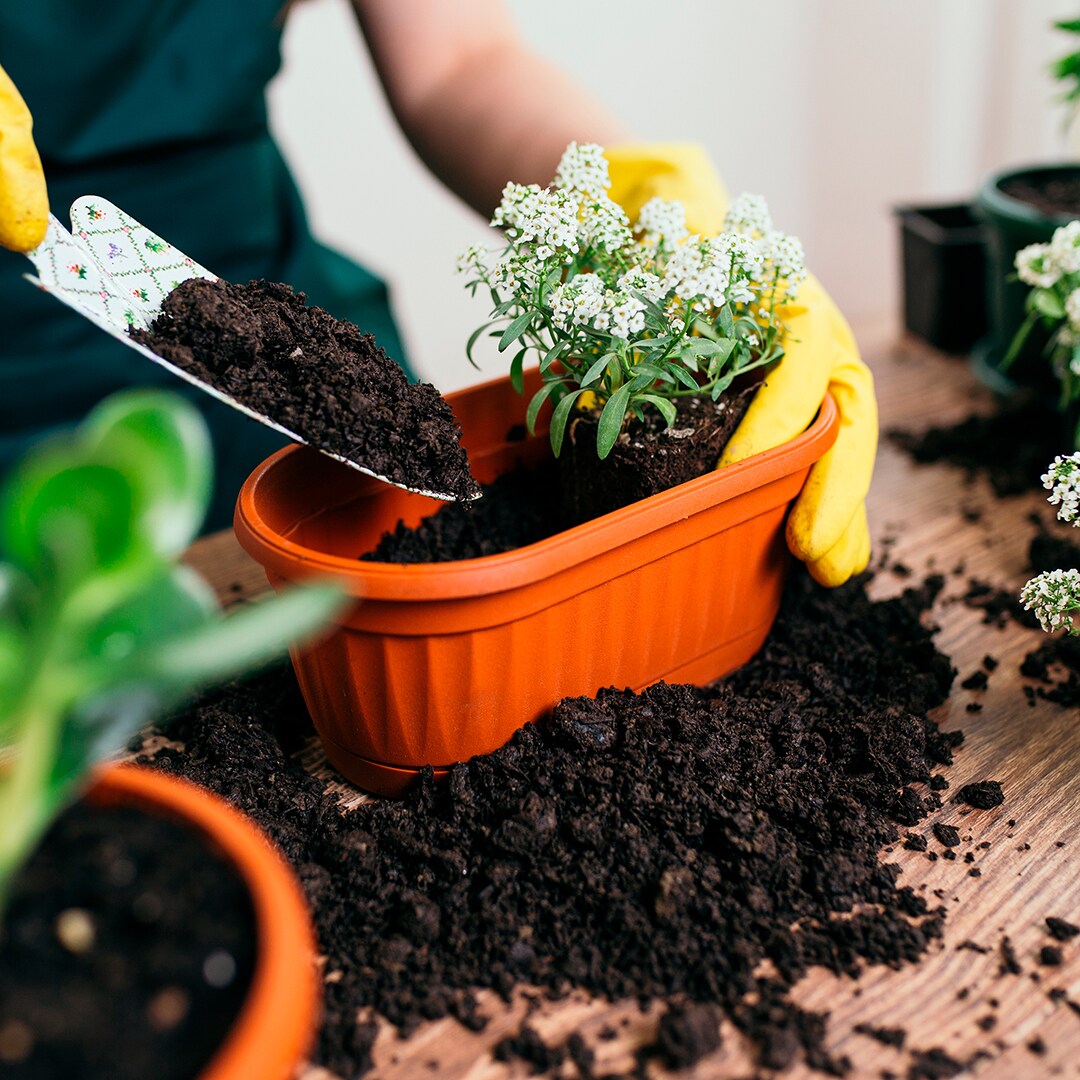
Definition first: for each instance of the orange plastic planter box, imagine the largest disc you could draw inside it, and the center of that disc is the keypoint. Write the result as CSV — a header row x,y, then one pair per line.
x,y
439,662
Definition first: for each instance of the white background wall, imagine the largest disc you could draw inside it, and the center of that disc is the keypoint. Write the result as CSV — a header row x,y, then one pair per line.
x,y
835,110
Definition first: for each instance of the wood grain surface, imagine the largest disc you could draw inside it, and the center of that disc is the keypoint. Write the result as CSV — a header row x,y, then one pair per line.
x,y
956,998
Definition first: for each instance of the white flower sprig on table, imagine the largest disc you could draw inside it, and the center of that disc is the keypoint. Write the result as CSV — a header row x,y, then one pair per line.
x,y
1053,272
636,315
1055,594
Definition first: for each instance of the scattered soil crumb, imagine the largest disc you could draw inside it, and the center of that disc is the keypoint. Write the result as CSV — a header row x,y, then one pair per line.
x,y
982,795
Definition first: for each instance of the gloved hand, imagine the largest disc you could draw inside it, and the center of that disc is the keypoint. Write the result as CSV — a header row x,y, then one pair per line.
x,y
827,526
24,201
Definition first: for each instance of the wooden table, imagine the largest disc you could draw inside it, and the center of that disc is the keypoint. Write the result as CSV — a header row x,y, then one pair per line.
x,y
1030,871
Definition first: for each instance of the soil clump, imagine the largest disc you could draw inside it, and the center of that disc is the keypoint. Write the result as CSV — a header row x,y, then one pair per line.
x,y
659,845
317,376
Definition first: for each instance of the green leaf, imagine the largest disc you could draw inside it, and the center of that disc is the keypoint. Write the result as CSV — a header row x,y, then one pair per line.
x,y
517,374
162,441
559,419
242,640
681,375
63,521
727,321
537,403
474,337
611,420
665,406
515,330
597,368
553,354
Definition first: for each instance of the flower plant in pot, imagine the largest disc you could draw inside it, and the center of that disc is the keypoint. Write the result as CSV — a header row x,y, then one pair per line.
x,y
1020,206
106,967
1051,274
632,351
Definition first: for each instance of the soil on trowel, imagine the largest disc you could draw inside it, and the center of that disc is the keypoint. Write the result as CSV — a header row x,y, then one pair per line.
x,y
126,951
655,846
315,375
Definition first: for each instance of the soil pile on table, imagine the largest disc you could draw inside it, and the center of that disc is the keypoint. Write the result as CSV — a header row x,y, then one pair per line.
x,y
654,845
315,375
127,951
1012,448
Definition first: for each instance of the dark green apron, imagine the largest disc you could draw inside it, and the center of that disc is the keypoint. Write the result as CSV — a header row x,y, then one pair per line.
x,y
158,106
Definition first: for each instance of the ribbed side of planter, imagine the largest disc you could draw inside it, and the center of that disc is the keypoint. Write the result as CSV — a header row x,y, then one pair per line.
x,y
439,662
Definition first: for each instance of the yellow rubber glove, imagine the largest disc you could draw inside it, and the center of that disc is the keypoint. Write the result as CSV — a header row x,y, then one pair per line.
x,y
24,201
827,527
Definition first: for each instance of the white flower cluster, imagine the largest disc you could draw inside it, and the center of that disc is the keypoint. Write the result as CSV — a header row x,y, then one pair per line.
x,y
544,218
1044,266
1053,596
586,301
583,168
1062,480
662,224
749,215
571,251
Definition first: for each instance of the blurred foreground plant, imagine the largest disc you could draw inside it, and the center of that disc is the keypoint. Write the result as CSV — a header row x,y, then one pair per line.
x,y
100,628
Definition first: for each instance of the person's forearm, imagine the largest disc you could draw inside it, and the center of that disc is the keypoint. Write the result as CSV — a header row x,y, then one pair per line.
x,y
476,147
478,106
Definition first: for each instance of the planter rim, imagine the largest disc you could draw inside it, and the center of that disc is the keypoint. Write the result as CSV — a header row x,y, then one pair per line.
x,y
917,217
275,1025
991,198
509,570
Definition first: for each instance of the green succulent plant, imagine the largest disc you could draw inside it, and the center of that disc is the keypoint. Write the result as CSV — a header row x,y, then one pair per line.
x,y
101,627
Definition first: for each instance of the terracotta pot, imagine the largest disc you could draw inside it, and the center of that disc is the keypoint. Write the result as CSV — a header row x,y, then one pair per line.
x,y
439,662
277,1021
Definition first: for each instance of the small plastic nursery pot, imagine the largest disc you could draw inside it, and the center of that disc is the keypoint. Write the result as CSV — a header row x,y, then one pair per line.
x,y
943,256
276,1024
1012,224
439,662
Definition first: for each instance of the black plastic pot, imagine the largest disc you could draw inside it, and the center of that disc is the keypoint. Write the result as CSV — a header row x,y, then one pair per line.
x,y
944,263
1012,224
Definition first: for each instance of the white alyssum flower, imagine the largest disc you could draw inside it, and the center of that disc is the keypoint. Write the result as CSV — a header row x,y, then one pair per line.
x,y
515,273
662,223
699,274
1035,266
604,224
627,315
1065,248
1053,596
785,259
583,168
1072,309
749,214
473,261
546,219
1062,480
578,301
643,281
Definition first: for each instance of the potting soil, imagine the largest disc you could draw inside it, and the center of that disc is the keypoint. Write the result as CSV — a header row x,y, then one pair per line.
x,y
659,845
126,951
319,377
1011,447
